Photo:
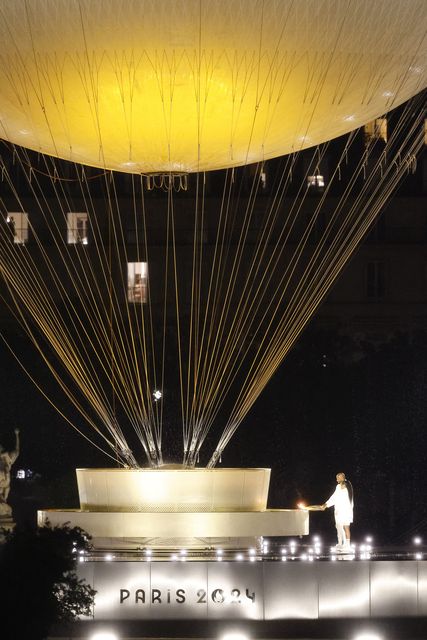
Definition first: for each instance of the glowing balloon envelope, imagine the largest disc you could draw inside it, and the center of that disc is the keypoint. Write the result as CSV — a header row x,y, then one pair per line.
x,y
184,85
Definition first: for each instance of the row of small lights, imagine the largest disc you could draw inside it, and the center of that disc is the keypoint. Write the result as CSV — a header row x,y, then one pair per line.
x,y
108,635
313,552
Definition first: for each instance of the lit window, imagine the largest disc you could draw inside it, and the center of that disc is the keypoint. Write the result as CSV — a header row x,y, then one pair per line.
x,y
77,228
20,474
263,179
376,130
137,281
18,226
375,280
316,181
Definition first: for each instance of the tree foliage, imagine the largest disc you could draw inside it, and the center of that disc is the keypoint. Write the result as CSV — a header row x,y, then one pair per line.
x,y
39,585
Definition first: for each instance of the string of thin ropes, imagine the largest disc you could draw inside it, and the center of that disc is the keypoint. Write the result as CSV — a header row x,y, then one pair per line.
x,y
339,240
75,319
242,319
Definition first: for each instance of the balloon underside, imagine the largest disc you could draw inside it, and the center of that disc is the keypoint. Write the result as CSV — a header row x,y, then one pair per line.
x,y
184,86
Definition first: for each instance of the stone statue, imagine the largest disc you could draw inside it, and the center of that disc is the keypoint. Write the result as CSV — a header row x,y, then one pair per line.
x,y
7,459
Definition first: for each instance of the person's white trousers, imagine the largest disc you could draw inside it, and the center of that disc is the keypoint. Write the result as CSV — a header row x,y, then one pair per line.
x,y
340,533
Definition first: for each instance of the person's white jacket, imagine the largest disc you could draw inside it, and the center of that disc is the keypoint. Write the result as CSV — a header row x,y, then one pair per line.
x,y
340,500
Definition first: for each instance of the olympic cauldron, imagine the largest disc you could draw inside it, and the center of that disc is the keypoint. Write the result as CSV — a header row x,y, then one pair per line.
x,y
173,506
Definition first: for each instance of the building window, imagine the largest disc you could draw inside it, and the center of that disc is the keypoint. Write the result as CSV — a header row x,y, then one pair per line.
x,y
377,232
137,282
375,280
317,181
263,180
18,226
376,130
77,228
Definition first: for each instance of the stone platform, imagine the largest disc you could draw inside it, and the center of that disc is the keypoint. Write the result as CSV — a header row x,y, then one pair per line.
x,y
263,591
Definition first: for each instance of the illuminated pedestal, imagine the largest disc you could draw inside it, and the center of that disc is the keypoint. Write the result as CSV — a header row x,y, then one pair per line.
x,y
198,508
259,591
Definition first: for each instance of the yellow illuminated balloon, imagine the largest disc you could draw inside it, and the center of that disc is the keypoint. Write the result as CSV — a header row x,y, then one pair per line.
x,y
188,85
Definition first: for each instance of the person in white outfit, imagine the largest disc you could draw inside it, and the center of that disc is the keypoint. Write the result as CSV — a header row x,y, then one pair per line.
x,y
342,501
